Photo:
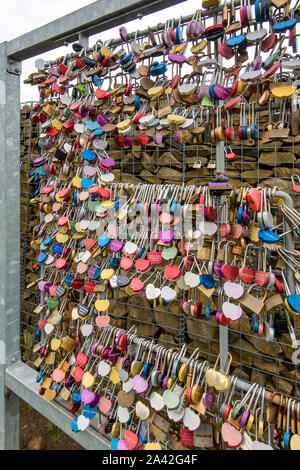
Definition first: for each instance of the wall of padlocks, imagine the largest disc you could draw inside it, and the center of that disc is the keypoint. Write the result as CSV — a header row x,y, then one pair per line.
x,y
137,234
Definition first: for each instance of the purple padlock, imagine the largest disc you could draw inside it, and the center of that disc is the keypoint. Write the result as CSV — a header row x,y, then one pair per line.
x,y
121,445
69,382
49,143
163,39
119,334
95,401
94,347
108,163
123,34
139,384
113,355
178,137
176,58
91,111
244,419
47,287
209,399
87,396
102,120
217,269
39,161
257,63
221,92
166,236
43,93
158,137
41,285
116,246
82,110
92,272
53,72
165,382
128,141
126,363
245,218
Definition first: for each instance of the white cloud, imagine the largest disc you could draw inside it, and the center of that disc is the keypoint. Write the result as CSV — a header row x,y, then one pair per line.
x,y
21,16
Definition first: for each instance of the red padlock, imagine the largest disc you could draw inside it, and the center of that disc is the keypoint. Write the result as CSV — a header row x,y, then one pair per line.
x,y
254,199
62,69
78,374
229,154
74,408
296,187
82,359
220,317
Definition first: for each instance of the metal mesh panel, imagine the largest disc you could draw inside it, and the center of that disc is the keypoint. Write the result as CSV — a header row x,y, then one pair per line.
x,y
28,219
253,358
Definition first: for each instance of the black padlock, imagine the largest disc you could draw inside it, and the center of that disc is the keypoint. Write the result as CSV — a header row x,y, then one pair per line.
x,y
272,258
206,137
74,93
108,425
280,324
77,47
90,62
60,155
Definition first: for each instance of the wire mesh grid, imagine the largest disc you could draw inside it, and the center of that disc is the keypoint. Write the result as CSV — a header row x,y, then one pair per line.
x,y
28,219
254,359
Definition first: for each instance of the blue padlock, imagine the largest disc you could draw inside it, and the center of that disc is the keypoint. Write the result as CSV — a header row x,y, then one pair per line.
x,y
76,396
207,281
114,263
86,183
141,252
68,280
97,81
284,26
89,155
41,172
294,302
98,132
42,258
158,69
74,426
40,376
267,236
58,249
37,334
125,59
236,41
48,241
137,103
88,412
103,241
114,444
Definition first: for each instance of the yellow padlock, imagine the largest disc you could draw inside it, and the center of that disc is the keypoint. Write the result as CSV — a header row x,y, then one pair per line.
x,y
175,119
123,124
156,91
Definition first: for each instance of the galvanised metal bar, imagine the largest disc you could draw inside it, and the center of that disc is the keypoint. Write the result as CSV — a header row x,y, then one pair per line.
x,y
92,19
9,243
20,378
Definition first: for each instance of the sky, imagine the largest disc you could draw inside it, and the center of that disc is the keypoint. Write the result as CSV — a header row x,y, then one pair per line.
x,y
21,16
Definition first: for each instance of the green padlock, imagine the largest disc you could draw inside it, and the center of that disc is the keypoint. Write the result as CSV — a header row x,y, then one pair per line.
x,y
52,302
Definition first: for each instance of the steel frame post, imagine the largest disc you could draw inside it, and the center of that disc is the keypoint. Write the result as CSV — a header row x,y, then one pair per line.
x,y
220,168
9,243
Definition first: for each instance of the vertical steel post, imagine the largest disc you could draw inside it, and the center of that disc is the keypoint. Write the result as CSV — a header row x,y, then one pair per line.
x,y
220,168
9,243
83,39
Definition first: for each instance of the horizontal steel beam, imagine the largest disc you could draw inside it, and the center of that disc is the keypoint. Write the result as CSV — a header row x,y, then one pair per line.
x,y
92,19
20,379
